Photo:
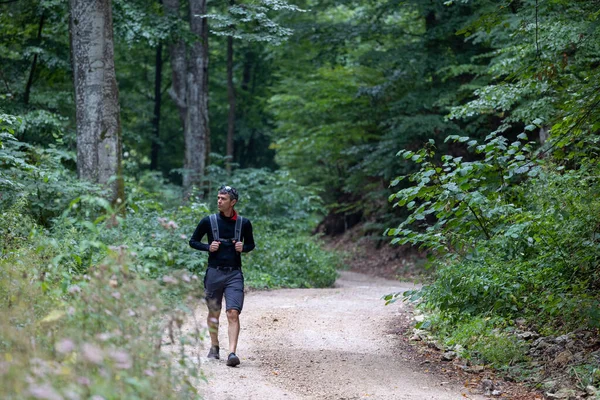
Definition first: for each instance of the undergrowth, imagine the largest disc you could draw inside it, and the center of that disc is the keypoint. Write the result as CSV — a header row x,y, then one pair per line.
x,y
91,292
514,237
98,337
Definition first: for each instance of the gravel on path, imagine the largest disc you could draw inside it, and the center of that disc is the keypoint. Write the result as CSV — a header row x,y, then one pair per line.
x,y
322,344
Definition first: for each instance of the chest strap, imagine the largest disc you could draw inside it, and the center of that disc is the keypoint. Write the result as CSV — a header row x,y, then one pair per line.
x,y
214,226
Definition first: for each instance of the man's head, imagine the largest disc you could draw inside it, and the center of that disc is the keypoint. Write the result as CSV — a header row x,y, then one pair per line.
x,y
227,198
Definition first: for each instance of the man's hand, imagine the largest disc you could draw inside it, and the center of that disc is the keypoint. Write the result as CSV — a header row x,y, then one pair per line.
x,y
239,246
214,246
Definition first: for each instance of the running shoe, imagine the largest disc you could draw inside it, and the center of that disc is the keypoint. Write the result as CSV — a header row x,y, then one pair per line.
x,y
214,352
233,360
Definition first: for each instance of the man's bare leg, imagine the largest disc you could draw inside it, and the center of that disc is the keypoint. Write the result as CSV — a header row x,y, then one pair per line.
x,y
233,319
213,326
213,329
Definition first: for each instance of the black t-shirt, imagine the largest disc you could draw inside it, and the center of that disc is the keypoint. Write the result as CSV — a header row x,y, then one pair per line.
x,y
226,256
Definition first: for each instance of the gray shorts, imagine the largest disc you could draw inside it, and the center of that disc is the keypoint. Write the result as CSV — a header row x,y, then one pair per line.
x,y
218,282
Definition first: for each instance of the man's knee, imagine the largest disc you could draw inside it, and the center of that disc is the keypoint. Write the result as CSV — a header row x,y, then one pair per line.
x,y
233,315
213,318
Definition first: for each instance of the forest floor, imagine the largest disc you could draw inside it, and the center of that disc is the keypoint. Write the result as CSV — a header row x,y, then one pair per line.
x,y
335,343
341,343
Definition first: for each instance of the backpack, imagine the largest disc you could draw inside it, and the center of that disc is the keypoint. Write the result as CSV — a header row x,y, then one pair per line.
x,y
214,226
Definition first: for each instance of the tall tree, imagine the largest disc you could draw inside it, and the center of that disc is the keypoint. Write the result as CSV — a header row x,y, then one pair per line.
x,y
96,95
33,63
231,99
197,126
178,64
189,89
245,22
155,145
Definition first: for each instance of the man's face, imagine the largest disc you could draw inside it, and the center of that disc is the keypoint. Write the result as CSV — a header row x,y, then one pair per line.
x,y
224,202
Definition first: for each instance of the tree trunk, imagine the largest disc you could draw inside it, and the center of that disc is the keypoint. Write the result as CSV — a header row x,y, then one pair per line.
x,y
190,92
33,63
155,146
178,66
196,126
247,71
205,85
231,98
544,134
96,95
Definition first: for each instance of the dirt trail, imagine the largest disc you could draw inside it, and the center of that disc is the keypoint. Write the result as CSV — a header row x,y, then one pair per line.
x,y
322,344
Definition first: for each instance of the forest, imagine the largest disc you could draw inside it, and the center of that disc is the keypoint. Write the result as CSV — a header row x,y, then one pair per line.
x,y
467,131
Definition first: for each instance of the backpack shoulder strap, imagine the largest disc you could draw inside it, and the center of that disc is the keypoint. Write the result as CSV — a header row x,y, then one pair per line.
x,y
214,226
238,228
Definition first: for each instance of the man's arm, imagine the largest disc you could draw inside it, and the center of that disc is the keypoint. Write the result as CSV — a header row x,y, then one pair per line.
x,y
202,229
248,237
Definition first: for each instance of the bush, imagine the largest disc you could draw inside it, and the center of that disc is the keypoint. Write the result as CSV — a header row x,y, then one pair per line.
x,y
483,339
500,349
514,237
44,177
273,197
100,337
544,267
282,259
286,255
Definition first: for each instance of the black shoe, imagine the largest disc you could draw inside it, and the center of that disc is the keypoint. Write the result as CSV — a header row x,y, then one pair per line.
x,y
214,352
232,360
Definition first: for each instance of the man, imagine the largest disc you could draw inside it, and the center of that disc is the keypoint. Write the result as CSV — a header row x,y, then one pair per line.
x,y
224,273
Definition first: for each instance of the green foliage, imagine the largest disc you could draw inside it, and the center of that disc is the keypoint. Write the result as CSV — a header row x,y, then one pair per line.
x,y
15,225
585,374
326,144
512,228
82,295
253,21
534,59
509,247
363,81
285,259
80,320
141,22
157,227
90,291
483,340
253,76
40,175
499,349
463,196
98,337
275,198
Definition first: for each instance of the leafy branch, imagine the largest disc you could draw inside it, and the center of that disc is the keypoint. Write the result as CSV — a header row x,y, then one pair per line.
x,y
460,194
